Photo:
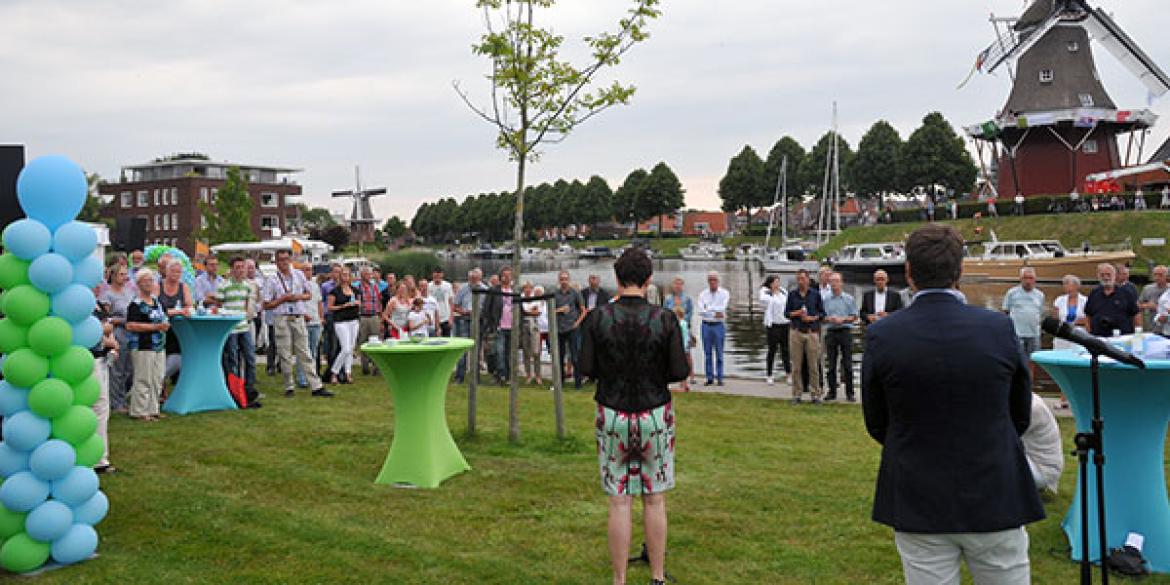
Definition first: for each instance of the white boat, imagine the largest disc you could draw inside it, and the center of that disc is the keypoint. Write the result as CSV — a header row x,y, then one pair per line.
x,y
649,252
788,260
748,252
703,251
595,252
564,251
1048,258
860,261
535,254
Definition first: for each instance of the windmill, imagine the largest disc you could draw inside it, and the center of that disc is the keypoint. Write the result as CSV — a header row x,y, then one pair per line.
x,y
361,219
1059,124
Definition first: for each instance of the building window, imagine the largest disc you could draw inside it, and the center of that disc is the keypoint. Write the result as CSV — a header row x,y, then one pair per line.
x,y
156,198
143,199
166,222
127,199
214,192
175,221
1073,46
203,195
269,222
174,195
157,223
1046,76
1090,147
269,200
1086,99
203,222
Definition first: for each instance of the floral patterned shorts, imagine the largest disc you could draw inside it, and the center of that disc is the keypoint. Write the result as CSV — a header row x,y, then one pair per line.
x,y
636,450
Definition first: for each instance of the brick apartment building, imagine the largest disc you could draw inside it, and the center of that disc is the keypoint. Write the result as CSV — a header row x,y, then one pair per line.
x,y
166,193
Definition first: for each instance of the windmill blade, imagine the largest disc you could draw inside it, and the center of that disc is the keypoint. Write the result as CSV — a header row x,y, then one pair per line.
x,y
1108,33
343,193
1010,44
373,192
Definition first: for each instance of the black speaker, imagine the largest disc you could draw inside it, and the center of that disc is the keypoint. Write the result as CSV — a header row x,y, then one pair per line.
x,y
129,234
11,162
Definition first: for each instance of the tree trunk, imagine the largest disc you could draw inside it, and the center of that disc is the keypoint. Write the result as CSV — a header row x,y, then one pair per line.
x,y
514,342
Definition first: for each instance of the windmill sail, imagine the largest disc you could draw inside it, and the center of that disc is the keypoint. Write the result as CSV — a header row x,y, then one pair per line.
x,y
1011,43
1108,33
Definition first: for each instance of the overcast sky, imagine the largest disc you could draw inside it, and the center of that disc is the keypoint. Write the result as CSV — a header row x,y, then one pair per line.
x,y
323,86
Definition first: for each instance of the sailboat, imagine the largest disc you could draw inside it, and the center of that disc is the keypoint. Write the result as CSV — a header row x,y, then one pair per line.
x,y
785,259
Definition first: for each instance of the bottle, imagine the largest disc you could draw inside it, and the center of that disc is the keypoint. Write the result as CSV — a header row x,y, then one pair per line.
x,y
1139,339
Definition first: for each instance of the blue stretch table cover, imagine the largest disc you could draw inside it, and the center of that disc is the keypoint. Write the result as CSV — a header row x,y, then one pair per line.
x,y
1135,409
201,384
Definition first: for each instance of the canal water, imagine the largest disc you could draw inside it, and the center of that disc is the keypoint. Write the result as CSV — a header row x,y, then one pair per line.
x,y
746,346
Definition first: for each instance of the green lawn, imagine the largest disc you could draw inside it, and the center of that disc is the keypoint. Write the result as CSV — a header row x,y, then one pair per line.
x,y
767,493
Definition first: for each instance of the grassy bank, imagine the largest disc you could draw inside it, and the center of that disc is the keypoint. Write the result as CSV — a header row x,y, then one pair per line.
x,y
1070,229
767,493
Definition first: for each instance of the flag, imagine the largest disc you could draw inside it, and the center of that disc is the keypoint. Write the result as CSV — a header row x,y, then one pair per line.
x,y
297,248
201,248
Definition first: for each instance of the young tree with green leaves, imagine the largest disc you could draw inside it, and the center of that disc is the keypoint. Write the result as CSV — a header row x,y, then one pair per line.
x,y
539,98
811,174
394,228
743,186
877,167
92,210
626,199
229,216
936,155
662,193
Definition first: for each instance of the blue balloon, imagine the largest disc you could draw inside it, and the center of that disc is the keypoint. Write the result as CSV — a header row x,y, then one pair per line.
x,y
52,460
89,271
27,238
75,240
48,521
51,273
78,486
12,461
23,492
94,510
78,544
88,332
24,430
52,189
74,304
12,399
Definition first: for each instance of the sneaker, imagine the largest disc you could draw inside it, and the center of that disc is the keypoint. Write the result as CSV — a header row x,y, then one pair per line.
x,y
768,380
290,393
323,393
719,383
851,398
708,383
830,398
254,405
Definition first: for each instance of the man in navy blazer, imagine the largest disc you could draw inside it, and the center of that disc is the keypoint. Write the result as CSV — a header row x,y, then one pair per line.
x,y
946,391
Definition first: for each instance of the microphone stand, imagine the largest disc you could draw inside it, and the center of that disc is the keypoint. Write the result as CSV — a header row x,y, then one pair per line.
x,y
1093,440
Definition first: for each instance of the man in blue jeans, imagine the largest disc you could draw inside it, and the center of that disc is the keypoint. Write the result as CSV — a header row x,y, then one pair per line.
x,y
497,318
713,311
239,351
462,309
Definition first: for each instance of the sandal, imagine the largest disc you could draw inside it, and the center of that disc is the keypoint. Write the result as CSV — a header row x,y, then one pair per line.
x,y
105,469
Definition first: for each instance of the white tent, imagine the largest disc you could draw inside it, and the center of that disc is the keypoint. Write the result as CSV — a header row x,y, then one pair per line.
x,y
314,249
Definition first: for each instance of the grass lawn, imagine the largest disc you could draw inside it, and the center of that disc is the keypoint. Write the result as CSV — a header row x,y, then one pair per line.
x,y
767,493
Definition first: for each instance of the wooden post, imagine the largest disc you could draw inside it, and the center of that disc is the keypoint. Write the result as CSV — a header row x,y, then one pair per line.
x,y
554,352
472,371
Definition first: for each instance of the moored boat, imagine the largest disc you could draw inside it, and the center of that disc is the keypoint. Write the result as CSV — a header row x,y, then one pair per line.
x,y
1002,260
858,262
788,260
703,251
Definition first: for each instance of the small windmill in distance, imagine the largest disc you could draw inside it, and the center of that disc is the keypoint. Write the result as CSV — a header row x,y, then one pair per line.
x,y
361,219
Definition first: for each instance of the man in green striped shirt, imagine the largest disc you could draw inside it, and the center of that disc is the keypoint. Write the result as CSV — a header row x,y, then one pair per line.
x,y
239,353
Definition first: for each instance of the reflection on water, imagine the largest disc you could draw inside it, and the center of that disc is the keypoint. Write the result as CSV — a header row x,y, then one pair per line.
x,y
746,345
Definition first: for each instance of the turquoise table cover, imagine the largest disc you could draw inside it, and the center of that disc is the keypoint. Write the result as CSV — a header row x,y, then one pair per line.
x,y
201,384
423,453
1135,409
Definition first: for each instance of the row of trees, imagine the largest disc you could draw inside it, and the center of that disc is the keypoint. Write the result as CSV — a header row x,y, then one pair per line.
x,y
643,195
934,155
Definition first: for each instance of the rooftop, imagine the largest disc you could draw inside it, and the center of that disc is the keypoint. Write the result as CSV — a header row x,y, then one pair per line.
x,y
199,166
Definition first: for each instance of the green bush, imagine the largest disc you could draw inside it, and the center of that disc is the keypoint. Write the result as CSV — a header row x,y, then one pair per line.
x,y
420,263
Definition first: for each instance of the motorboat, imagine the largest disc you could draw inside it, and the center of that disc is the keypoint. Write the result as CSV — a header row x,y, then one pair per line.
x,y
858,262
703,251
564,251
536,254
788,260
748,252
1002,260
595,253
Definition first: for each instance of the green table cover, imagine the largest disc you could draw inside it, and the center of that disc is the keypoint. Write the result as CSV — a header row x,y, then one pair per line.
x,y
423,453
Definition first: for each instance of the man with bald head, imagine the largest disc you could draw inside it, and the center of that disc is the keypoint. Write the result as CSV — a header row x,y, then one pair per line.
x,y
713,303
878,303
1109,307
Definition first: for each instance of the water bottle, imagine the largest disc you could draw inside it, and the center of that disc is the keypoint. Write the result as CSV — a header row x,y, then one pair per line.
x,y
1139,340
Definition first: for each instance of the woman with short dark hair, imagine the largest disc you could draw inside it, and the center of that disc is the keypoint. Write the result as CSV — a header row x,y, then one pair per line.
x,y
634,350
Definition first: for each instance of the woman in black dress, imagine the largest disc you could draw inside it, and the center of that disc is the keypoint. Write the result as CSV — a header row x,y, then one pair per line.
x,y
634,350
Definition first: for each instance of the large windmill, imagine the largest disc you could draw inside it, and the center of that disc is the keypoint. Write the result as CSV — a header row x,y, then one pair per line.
x,y
362,223
1059,124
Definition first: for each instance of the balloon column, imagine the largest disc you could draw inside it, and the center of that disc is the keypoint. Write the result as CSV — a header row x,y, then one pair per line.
x,y
49,497
153,252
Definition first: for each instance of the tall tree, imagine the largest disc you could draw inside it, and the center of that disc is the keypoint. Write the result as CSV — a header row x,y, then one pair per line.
x,y
936,156
538,98
877,168
92,209
785,148
743,186
597,202
662,193
394,228
626,198
811,175
229,216
315,217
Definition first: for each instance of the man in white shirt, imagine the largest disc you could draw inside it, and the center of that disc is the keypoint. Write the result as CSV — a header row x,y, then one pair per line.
x,y
285,294
1162,319
823,276
444,302
1025,305
713,303
208,283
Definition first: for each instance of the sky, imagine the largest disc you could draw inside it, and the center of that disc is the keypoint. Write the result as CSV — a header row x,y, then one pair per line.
x,y
325,86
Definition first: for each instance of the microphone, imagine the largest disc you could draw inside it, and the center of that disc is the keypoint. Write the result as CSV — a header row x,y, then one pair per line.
x,y
1095,345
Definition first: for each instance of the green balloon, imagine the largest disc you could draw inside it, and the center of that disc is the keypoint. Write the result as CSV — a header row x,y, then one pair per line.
x,y
21,554
13,336
90,451
13,271
87,391
26,305
24,368
50,336
73,365
11,523
75,426
50,398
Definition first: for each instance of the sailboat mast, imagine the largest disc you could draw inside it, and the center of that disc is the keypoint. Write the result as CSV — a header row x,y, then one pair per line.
x,y
784,202
775,198
836,172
